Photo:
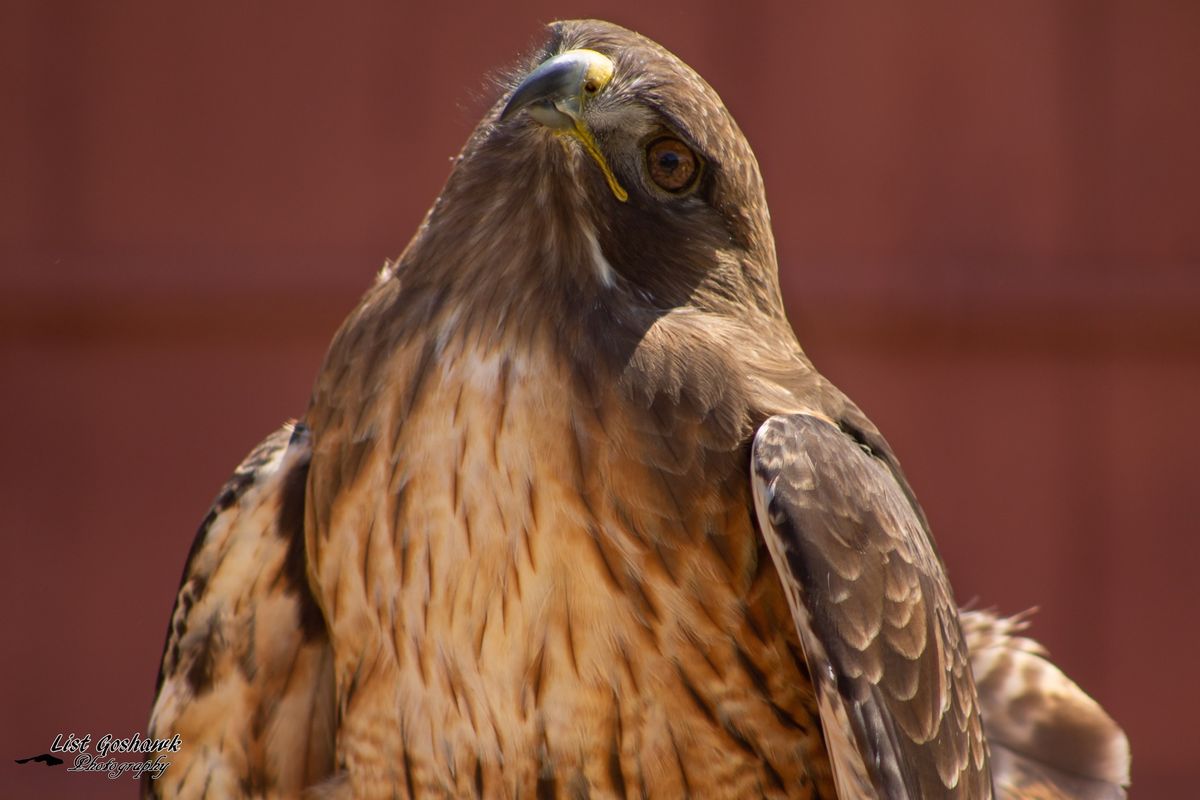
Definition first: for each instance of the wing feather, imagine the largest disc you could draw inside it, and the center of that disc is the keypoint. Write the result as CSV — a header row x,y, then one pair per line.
x,y
1048,738
246,677
874,612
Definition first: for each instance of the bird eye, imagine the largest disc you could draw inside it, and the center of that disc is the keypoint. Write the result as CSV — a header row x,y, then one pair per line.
x,y
672,164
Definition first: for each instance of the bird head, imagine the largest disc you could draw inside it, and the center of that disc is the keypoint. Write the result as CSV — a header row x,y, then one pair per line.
x,y
609,161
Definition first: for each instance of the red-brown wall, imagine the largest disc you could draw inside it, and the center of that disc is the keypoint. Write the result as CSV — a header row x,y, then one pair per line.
x,y
987,217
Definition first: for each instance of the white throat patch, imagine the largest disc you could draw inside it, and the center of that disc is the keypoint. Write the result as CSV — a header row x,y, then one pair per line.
x,y
604,270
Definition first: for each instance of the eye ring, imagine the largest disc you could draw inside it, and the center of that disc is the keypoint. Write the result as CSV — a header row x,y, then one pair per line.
x,y
671,164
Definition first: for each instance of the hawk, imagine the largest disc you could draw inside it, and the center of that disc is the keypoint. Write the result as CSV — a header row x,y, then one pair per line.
x,y
570,513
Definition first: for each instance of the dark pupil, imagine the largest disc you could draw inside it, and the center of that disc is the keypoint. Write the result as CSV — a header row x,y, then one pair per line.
x,y
668,161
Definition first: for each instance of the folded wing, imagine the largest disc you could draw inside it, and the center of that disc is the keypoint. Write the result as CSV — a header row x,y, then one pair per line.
x,y
874,613
246,678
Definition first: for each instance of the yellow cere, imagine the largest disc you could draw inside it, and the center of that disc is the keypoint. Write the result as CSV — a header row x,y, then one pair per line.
x,y
599,71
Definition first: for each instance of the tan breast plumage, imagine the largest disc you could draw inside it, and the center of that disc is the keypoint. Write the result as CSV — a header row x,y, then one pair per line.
x,y
515,596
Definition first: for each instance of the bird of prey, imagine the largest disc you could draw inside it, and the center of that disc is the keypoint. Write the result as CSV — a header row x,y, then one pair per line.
x,y
571,514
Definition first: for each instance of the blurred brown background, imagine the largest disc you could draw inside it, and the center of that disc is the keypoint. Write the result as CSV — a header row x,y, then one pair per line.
x,y
987,217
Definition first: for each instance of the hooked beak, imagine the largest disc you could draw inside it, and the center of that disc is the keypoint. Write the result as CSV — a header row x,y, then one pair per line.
x,y
555,95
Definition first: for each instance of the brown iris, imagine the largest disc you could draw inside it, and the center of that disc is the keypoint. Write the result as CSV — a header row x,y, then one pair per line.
x,y
672,164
